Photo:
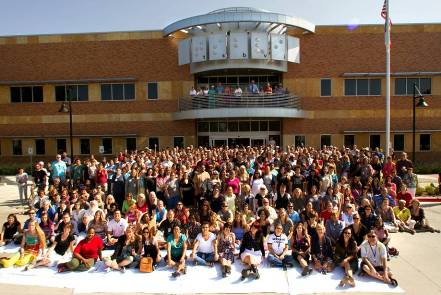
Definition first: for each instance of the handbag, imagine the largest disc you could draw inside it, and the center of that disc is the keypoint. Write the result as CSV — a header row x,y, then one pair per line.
x,y
146,265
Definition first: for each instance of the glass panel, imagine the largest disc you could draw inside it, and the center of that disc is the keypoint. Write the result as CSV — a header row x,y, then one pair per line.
x,y
426,85
129,91
71,92
107,144
60,93
375,87
202,80
244,125
244,80
325,140
375,141
325,89
61,145
40,147
299,140
203,127
106,92
152,90
204,141
362,87
117,91
263,125
83,93
274,125
15,94
410,83
131,143
400,86
349,141
26,94
424,142
399,142
153,143
37,94
254,125
233,126
214,127
16,147
222,126
232,80
350,87
84,146
178,141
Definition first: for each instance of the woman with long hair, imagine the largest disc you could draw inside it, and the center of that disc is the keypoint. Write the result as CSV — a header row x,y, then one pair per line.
x,y
301,248
252,250
99,224
346,256
11,229
125,250
226,241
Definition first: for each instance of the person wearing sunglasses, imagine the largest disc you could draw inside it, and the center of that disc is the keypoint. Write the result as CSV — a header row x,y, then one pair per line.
x,y
374,260
150,245
346,256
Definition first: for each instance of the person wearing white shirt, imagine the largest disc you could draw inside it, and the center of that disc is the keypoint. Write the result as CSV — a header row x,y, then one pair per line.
x,y
278,248
205,247
116,228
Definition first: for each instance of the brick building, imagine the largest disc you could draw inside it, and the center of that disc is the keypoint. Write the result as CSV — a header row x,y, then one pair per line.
x,y
131,89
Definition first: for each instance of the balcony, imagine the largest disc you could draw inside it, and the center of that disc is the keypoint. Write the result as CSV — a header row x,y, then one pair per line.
x,y
245,106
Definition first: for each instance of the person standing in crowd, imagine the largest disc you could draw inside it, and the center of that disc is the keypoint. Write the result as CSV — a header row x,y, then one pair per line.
x,y
22,182
59,169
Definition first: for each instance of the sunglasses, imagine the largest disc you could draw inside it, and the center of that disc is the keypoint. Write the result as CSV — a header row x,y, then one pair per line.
x,y
347,233
371,236
146,232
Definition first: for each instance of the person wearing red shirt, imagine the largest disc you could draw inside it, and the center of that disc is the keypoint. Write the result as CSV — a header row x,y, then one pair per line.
x,y
101,177
86,253
388,167
404,195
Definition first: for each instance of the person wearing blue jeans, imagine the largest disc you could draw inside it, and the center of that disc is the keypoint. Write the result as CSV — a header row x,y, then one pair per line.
x,y
205,247
278,249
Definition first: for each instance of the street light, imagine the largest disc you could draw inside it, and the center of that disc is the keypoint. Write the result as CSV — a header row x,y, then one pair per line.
x,y
66,107
421,104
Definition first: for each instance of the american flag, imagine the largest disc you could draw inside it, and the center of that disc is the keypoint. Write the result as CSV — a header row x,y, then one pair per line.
x,y
384,10
385,16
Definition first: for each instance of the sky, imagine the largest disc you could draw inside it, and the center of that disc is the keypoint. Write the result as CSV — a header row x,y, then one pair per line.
x,y
32,17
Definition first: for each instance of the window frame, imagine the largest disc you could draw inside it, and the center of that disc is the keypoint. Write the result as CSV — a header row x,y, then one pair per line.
x,y
430,142
21,93
330,87
356,87
73,99
370,141
80,143
407,93
321,140
404,142
111,147
112,90
18,141
157,90
183,141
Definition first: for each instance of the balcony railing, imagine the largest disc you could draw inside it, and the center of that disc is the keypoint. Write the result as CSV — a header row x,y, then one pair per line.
x,y
245,101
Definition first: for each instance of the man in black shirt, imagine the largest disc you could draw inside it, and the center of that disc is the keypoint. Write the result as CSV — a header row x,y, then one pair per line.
x,y
167,225
40,177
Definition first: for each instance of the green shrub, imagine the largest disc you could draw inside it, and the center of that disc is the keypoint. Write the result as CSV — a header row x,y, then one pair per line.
x,y
419,191
430,190
432,168
12,169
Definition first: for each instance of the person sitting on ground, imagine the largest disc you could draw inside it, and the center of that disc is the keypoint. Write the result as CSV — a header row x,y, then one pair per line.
x,y
150,245
404,218
99,224
359,231
125,251
368,217
205,247
47,226
382,232
374,260
278,248
86,253
176,250
240,226
404,195
115,228
225,214
387,215
334,227
252,250
11,230
346,256
301,248
321,251
226,241
417,214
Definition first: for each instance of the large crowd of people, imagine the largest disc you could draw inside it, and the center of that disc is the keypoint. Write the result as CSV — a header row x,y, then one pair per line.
x,y
316,209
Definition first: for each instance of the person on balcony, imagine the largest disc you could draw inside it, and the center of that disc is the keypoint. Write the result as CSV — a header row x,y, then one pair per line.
x,y
267,89
253,88
238,91
192,91
211,97
220,89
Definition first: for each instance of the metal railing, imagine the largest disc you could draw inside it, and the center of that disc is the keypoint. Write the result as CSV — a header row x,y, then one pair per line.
x,y
244,101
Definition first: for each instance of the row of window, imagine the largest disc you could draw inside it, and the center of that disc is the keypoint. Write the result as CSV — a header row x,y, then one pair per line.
x,y
242,126
106,146
80,92
366,87
374,141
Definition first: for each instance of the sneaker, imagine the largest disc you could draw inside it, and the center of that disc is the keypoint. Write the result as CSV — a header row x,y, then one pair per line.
x,y
284,267
256,274
305,271
108,269
176,274
245,273
324,272
122,269
228,269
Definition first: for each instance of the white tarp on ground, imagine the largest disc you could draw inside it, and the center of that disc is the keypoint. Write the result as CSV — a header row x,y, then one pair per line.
x,y
199,279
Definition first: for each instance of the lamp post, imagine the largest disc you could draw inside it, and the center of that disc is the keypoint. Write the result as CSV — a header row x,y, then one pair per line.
x,y
421,104
66,107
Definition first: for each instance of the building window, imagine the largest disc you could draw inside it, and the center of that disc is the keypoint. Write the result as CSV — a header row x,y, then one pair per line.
x,y
152,90
325,87
349,140
124,91
75,92
178,141
107,144
299,141
374,141
424,142
362,87
61,145
325,140
399,142
16,147
26,94
153,143
85,146
131,143
404,86
40,147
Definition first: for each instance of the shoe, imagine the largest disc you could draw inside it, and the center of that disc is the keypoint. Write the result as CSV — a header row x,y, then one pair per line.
x,y
108,269
195,262
342,282
224,271
394,282
122,269
256,274
176,274
61,267
351,281
305,271
253,268
284,267
324,272
184,270
228,269
245,273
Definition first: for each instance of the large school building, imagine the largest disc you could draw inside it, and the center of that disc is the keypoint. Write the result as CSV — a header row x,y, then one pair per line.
x,y
131,89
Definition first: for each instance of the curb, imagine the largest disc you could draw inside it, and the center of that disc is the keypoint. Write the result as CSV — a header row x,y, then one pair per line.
x,y
429,199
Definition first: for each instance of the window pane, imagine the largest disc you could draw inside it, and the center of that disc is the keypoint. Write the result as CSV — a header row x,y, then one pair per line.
x,y
203,127
254,125
426,86
233,126
214,127
107,144
84,146
117,91
349,141
83,93
410,83
325,140
131,143
152,90
223,127
106,92
350,86
60,93
375,141
178,141
61,145
325,89
244,126
15,94
263,125
40,148
399,142
129,91
204,141
37,93
400,86
71,92
16,147
153,143
26,94
375,87
362,87
299,140
274,125
424,142
202,80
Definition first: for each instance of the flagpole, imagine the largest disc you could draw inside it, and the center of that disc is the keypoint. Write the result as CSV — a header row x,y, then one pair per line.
x,y
387,43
